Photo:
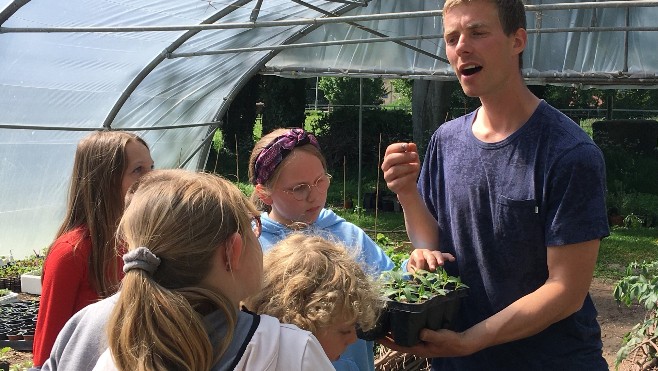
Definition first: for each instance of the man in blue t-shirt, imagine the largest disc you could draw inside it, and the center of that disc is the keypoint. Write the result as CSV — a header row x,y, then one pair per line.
x,y
513,196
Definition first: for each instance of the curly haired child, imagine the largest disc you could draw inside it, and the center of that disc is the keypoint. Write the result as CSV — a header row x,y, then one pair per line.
x,y
316,284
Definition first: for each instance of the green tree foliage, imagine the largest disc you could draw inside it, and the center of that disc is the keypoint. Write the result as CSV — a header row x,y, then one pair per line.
x,y
573,97
403,90
345,90
460,103
338,130
238,122
285,102
636,99
403,87
627,103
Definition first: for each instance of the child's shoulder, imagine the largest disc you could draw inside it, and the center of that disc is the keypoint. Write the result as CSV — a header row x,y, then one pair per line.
x,y
328,219
72,245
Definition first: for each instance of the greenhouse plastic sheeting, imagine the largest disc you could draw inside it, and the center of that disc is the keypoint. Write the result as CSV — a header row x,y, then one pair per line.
x,y
56,86
613,57
78,81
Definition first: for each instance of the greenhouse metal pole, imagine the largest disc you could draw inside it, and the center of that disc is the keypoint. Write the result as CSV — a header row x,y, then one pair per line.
x,y
318,21
358,192
317,82
628,22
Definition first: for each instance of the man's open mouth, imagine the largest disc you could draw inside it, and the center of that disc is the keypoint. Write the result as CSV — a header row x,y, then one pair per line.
x,y
470,70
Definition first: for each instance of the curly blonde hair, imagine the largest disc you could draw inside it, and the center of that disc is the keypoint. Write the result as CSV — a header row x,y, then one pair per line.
x,y
312,282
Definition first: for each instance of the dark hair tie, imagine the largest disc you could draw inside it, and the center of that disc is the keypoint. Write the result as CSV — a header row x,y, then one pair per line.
x,y
140,258
272,155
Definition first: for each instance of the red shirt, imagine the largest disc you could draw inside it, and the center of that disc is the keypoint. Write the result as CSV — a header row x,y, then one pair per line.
x,y
66,289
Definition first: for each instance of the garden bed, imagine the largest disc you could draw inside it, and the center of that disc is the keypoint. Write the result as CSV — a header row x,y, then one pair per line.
x,y
17,324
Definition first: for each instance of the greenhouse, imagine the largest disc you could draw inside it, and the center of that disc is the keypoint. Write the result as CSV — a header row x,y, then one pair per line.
x,y
168,70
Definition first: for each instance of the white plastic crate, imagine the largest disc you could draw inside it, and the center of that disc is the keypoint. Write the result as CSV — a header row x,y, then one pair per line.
x,y
31,283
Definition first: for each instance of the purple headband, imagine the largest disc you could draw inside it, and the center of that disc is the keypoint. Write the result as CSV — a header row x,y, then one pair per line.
x,y
272,155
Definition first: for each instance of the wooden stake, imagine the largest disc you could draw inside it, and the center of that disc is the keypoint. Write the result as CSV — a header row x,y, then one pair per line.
x,y
237,166
379,160
344,179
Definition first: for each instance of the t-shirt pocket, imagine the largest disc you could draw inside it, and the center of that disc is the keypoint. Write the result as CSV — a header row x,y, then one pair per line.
x,y
517,220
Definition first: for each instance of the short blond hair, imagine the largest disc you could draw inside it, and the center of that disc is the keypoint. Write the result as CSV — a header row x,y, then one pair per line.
x,y
511,14
312,282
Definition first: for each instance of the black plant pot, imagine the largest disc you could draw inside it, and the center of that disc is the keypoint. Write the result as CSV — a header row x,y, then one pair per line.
x,y
380,329
4,365
405,320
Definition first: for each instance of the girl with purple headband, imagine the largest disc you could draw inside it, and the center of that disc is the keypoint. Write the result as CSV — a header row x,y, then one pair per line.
x,y
290,179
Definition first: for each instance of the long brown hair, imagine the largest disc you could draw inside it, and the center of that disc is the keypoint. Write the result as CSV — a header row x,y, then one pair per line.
x,y
183,218
95,201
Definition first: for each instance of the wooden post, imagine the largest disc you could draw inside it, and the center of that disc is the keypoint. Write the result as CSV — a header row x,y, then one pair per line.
x,y
237,165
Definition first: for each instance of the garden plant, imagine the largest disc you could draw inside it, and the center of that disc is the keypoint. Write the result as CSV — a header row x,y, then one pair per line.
x,y
419,286
4,363
640,285
417,300
10,273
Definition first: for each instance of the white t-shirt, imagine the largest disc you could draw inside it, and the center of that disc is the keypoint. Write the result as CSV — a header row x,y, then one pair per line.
x,y
295,350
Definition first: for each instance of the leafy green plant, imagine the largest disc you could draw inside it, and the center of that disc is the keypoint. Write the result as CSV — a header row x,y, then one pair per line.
x,y
4,353
640,345
633,221
18,267
392,249
418,286
21,366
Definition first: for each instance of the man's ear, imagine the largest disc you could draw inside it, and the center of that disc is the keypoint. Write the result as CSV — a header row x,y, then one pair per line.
x,y
520,40
233,252
263,194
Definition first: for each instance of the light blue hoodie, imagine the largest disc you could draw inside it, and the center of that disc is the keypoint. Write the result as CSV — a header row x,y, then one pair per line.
x,y
359,356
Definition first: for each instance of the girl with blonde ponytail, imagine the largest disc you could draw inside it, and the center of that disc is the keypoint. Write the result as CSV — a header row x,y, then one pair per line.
x,y
193,256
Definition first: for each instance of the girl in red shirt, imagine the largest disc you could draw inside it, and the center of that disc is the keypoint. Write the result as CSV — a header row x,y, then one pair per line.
x,y
83,264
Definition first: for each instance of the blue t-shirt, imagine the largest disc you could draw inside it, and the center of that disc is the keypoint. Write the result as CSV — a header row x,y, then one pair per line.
x,y
498,207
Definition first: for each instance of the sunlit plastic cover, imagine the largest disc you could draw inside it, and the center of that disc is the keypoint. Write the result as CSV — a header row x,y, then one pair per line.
x,y
54,86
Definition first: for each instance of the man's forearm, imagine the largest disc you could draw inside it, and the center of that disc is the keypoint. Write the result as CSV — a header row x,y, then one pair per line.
x,y
420,224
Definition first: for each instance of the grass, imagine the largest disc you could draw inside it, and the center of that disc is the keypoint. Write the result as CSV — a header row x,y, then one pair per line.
x,y
623,246
390,224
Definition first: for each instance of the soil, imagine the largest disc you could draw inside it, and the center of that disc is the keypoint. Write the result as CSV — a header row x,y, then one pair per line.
x,y
615,320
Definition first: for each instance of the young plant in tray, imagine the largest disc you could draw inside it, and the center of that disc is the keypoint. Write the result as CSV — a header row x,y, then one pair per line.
x,y
417,300
417,287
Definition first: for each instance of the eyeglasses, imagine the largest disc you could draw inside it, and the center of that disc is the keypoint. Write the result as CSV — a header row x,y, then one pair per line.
x,y
256,225
301,191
